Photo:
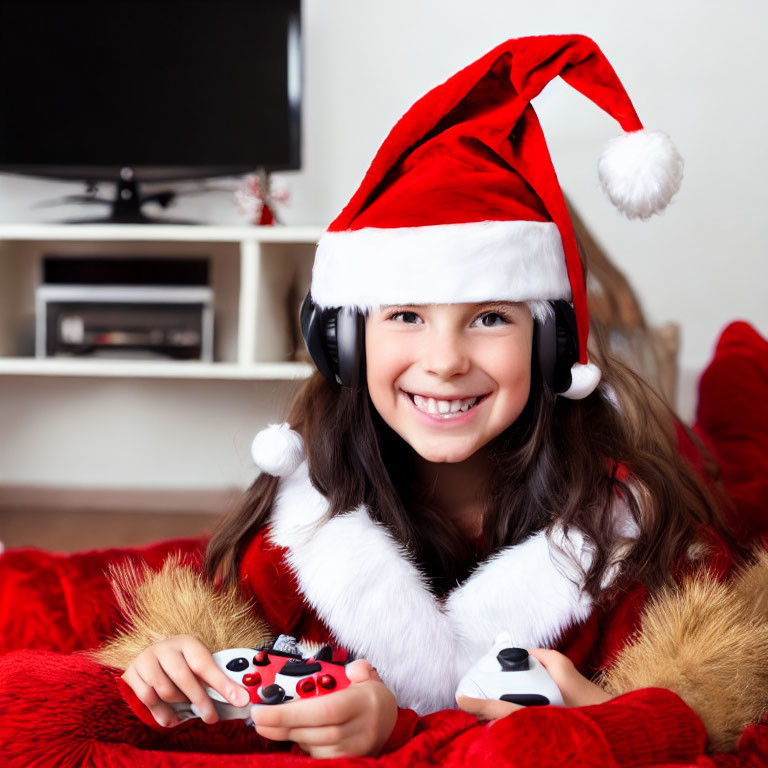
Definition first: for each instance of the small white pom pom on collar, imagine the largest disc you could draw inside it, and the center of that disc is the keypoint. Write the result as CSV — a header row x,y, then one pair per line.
x,y
640,171
278,450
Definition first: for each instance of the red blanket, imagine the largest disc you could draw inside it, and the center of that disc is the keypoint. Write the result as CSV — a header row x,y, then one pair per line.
x,y
57,708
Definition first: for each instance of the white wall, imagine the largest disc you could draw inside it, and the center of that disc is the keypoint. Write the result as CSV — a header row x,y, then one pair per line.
x,y
123,433
693,68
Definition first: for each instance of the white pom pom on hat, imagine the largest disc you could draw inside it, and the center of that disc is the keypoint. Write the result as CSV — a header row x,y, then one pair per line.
x,y
278,450
640,171
584,381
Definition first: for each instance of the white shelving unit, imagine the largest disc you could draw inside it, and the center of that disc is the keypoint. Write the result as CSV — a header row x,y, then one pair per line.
x,y
258,275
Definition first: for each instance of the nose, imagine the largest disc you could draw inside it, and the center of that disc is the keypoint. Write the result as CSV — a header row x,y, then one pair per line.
x,y
445,353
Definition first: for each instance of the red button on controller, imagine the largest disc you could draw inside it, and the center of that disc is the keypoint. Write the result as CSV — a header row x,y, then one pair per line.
x,y
306,687
253,678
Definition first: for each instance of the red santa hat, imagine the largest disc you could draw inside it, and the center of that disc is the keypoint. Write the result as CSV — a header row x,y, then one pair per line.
x,y
462,203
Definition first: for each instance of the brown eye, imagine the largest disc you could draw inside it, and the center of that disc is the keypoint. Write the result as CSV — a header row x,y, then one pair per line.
x,y
406,317
492,319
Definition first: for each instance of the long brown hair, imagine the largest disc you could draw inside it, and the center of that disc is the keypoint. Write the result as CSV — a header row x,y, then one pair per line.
x,y
562,462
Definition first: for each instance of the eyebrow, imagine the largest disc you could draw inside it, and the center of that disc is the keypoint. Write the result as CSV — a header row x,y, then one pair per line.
x,y
492,305
500,306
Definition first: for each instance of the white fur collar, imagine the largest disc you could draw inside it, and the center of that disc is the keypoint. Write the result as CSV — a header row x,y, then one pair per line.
x,y
373,598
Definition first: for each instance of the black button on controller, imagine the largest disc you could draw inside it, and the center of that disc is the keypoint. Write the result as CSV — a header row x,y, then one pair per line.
x,y
272,694
297,669
513,659
526,699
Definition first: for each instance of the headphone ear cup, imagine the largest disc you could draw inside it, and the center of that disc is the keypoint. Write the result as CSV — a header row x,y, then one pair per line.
x,y
334,339
350,349
313,323
557,346
546,349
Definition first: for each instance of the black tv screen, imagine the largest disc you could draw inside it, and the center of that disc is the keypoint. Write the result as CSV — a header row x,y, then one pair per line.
x,y
170,88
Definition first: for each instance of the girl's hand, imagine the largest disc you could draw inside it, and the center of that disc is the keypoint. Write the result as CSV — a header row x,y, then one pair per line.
x,y
175,670
355,721
576,689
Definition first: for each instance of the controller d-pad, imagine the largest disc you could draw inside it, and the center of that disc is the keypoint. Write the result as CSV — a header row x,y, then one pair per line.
x,y
238,664
513,659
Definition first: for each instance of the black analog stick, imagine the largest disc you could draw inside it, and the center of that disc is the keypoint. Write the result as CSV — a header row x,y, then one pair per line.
x,y
238,664
272,694
513,659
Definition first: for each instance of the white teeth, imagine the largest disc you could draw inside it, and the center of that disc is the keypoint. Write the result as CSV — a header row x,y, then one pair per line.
x,y
445,408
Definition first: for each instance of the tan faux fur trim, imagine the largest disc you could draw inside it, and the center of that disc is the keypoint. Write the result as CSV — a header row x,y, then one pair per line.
x,y
172,601
708,642
752,585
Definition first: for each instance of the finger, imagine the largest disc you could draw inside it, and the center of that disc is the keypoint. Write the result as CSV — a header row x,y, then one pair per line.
x,y
361,670
150,670
202,663
486,709
178,669
273,733
331,709
352,745
162,712
327,736
326,752
552,661
577,690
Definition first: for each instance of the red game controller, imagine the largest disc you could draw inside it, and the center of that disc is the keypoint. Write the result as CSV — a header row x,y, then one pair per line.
x,y
276,677
273,677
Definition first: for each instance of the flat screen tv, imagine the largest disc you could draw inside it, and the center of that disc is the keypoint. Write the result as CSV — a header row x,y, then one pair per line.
x,y
149,90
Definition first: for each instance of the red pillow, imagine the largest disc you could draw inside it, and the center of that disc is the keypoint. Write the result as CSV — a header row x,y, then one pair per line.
x,y
732,419
63,602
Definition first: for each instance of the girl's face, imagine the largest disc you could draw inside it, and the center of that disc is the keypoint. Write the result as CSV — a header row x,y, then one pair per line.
x,y
448,378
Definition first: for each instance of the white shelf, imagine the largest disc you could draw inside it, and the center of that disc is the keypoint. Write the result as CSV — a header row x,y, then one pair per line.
x,y
152,369
257,273
158,233
83,422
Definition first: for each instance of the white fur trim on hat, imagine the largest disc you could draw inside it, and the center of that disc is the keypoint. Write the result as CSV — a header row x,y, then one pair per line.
x,y
278,450
584,381
440,264
640,172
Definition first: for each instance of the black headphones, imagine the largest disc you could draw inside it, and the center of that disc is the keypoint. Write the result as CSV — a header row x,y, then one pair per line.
x,y
556,345
335,341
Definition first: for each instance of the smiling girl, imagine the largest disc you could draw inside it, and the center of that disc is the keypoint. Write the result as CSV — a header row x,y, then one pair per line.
x,y
459,466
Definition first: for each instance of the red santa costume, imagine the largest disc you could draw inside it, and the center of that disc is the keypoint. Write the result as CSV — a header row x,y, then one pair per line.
x,y
346,582
461,204
351,583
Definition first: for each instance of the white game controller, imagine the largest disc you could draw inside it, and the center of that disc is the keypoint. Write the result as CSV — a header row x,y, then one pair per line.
x,y
510,674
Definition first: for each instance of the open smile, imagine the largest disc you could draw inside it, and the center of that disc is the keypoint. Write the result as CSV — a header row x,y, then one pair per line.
x,y
445,409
